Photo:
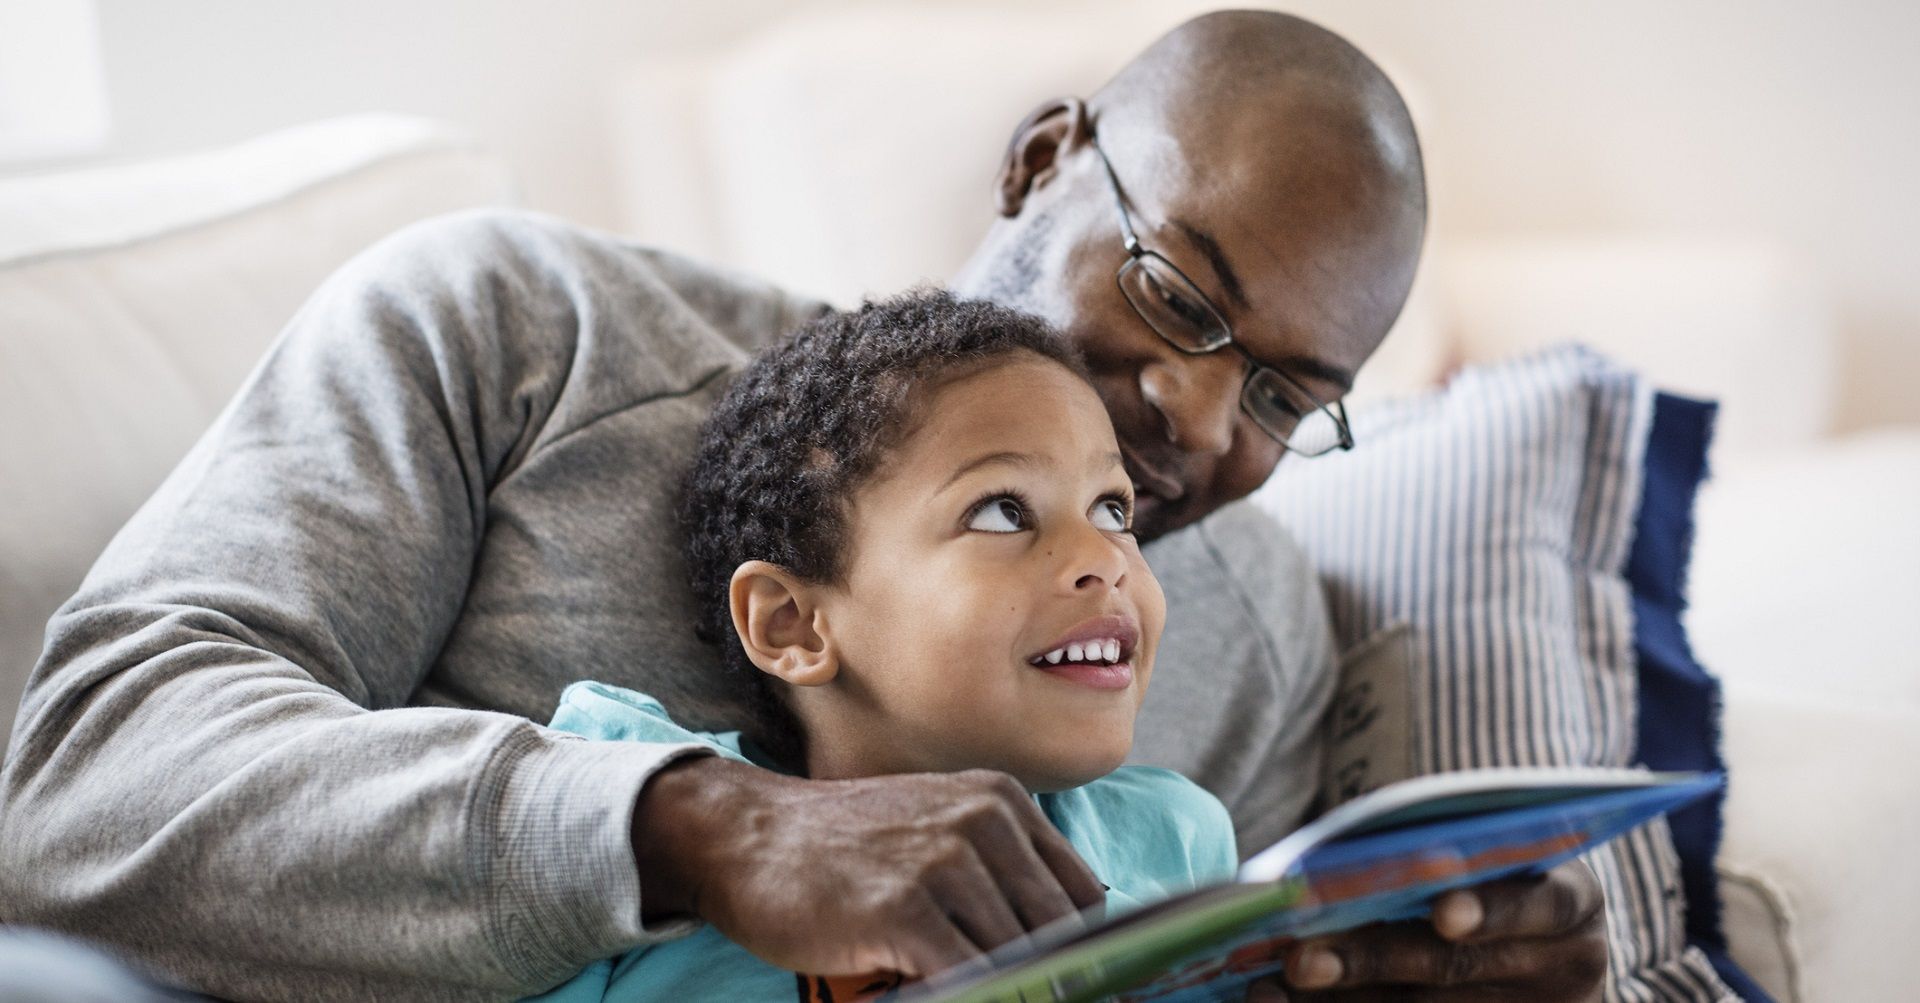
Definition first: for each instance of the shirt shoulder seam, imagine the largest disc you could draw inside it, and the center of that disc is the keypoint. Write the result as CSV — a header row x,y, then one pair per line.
x,y
700,383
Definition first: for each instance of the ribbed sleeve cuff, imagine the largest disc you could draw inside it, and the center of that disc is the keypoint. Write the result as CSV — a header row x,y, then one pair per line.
x,y
552,844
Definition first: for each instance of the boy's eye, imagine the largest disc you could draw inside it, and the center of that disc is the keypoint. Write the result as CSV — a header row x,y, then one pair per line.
x,y
999,515
1110,514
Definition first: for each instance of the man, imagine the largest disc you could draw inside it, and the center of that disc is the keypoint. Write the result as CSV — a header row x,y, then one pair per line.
x,y
278,744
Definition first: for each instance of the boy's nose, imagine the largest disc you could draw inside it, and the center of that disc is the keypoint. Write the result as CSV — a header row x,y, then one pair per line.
x,y
1094,562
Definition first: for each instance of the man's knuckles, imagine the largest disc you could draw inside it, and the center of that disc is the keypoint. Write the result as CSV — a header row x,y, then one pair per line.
x,y
1566,902
1404,954
1460,965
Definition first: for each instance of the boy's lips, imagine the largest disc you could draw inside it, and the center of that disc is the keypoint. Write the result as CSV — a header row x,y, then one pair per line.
x,y
1098,652
1118,676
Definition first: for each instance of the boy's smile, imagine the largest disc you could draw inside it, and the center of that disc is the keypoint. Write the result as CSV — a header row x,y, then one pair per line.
x,y
996,611
1098,653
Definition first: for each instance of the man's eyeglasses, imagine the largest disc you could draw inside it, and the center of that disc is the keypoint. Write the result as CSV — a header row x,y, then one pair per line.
x,y
1185,318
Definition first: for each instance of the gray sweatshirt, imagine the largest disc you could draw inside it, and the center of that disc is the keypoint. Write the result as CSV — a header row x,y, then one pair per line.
x,y
280,745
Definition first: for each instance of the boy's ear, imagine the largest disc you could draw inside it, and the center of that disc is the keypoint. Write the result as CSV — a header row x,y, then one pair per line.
x,y
778,619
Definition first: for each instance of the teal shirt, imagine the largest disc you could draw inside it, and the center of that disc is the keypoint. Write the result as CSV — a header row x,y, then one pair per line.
x,y
1147,833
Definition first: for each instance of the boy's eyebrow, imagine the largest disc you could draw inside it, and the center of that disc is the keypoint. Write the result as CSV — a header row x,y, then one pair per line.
x,y
1018,459
1004,456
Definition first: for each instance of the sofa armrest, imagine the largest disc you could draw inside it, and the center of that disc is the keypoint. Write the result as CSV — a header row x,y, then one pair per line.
x,y
134,299
1821,815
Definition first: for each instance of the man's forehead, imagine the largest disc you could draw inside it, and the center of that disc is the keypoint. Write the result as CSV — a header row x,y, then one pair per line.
x,y
1307,261
1293,311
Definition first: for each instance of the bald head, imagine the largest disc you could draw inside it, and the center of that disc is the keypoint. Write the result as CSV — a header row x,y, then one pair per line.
x,y
1240,60
1263,100
1275,167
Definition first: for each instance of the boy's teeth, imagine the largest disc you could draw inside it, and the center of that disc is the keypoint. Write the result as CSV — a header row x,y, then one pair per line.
x,y
1107,650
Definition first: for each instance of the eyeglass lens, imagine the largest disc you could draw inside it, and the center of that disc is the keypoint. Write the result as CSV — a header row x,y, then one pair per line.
x,y
1165,299
1288,414
1182,315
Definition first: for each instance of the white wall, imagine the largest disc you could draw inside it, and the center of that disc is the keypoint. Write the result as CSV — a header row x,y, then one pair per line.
x,y
529,78
1772,118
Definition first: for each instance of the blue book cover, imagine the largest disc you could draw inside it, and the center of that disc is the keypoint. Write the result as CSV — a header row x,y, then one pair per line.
x,y
1382,857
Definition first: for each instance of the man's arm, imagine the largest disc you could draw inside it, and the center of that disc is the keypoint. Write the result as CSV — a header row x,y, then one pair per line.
x,y
214,770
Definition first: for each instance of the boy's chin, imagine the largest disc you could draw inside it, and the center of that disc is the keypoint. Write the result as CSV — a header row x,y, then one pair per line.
x,y
1049,778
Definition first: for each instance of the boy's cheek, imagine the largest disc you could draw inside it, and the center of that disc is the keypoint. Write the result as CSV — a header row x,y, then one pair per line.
x,y
1152,603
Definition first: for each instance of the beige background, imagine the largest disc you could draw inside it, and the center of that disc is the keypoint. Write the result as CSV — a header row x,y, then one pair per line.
x,y
1776,120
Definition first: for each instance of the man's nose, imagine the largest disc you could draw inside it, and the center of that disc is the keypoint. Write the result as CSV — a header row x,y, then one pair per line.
x,y
1197,397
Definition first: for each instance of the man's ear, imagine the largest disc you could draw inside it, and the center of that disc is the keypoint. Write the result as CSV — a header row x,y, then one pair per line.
x,y
1056,127
779,623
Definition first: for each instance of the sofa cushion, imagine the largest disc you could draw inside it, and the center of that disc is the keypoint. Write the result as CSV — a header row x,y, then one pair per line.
x,y
134,299
1679,700
1494,518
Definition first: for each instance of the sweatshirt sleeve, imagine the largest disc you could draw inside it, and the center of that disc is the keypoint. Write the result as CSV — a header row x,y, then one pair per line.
x,y
214,770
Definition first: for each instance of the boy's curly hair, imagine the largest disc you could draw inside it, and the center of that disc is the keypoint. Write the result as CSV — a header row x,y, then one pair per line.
x,y
801,429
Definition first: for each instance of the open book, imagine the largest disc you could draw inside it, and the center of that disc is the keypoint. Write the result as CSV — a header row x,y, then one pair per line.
x,y
1381,857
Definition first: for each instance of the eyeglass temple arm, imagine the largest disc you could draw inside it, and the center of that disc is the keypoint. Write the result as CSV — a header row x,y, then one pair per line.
x,y
1346,429
1120,203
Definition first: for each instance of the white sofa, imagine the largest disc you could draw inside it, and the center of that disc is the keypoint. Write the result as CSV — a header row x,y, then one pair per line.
x,y
133,300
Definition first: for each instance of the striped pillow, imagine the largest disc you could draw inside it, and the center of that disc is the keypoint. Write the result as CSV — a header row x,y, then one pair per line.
x,y
1484,528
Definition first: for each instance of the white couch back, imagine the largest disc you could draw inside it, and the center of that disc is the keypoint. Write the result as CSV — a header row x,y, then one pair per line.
x,y
134,300
825,154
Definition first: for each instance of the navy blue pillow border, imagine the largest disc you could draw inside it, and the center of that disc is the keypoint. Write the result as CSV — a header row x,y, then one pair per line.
x,y
1679,701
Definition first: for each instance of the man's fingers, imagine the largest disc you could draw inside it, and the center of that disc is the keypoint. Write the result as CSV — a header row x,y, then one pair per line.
x,y
1036,868
1266,991
1031,886
1538,938
1562,901
973,898
934,944
1485,993
1411,954
1077,879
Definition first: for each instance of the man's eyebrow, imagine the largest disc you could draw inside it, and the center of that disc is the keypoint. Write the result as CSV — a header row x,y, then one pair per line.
x,y
1303,365
1004,456
1211,248
1307,365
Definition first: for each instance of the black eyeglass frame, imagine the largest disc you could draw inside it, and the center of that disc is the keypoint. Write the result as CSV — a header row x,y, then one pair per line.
x,y
1136,253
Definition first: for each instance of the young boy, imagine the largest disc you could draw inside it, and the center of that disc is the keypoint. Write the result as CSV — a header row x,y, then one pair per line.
x,y
909,530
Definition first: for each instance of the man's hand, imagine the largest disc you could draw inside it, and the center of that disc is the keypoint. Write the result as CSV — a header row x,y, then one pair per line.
x,y
1538,938
911,873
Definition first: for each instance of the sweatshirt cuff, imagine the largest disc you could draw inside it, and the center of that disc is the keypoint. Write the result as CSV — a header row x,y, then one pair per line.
x,y
553,843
